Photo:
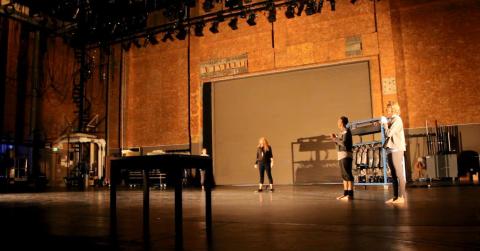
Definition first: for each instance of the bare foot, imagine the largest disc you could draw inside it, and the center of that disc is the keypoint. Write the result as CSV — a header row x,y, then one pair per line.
x,y
399,200
389,201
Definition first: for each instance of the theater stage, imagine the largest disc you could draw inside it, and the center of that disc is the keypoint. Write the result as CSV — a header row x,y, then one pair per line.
x,y
291,218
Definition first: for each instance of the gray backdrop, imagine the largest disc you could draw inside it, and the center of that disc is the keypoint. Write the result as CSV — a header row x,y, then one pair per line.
x,y
284,107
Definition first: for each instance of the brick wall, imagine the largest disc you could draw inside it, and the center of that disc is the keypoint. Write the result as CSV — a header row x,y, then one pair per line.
x,y
157,75
436,48
429,47
417,43
57,104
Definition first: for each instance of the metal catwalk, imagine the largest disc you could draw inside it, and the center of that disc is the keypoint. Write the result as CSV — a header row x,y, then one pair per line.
x,y
291,218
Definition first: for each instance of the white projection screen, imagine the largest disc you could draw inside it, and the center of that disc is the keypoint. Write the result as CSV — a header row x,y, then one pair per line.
x,y
293,106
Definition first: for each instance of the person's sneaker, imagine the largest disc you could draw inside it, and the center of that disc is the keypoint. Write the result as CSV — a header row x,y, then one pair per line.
x,y
259,190
271,189
399,200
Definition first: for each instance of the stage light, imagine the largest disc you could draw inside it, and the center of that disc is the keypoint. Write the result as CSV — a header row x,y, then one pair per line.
x,y
167,36
332,5
272,11
220,17
199,29
126,45
251,19
243,14
214,27
233,23
320,6
152,39
272,15
310,10
182,33
290,12
300,8
136,43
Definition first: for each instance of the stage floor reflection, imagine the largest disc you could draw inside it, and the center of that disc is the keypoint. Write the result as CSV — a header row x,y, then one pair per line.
x,y
291,218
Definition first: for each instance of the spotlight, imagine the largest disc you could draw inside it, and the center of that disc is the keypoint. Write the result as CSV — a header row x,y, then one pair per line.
x,y
199,29
126,45
243,14
300,8
272,16
220,17
251,19
320,6
310,10
136,43
182,33
167,36
214,27
145,42
290,12
233,23
208,5
332,5
272,12
152,39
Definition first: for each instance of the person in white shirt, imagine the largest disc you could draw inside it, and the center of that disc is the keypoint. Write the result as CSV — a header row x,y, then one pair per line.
x,y
396,146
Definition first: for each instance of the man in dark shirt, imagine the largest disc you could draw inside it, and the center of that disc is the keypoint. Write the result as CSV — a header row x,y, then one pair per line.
x,y
344,152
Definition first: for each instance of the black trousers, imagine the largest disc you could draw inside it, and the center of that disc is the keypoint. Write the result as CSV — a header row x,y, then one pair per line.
x,y
346,168
265,167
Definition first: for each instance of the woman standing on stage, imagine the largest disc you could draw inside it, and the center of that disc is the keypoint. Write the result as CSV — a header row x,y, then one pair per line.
x,y
264,162
345,157
396,147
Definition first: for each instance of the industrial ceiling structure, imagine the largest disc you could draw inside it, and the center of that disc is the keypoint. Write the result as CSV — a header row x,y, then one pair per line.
x,y
93,23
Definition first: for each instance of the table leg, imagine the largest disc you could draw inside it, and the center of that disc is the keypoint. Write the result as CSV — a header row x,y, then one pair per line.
x,y
178,209
146,206
113,187
208,200
113,203
146,195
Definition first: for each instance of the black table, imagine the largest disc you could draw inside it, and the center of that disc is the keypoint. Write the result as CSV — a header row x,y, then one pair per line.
x,y
174,165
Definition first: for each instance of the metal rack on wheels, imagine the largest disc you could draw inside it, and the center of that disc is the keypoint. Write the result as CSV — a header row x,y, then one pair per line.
x,y
367,169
